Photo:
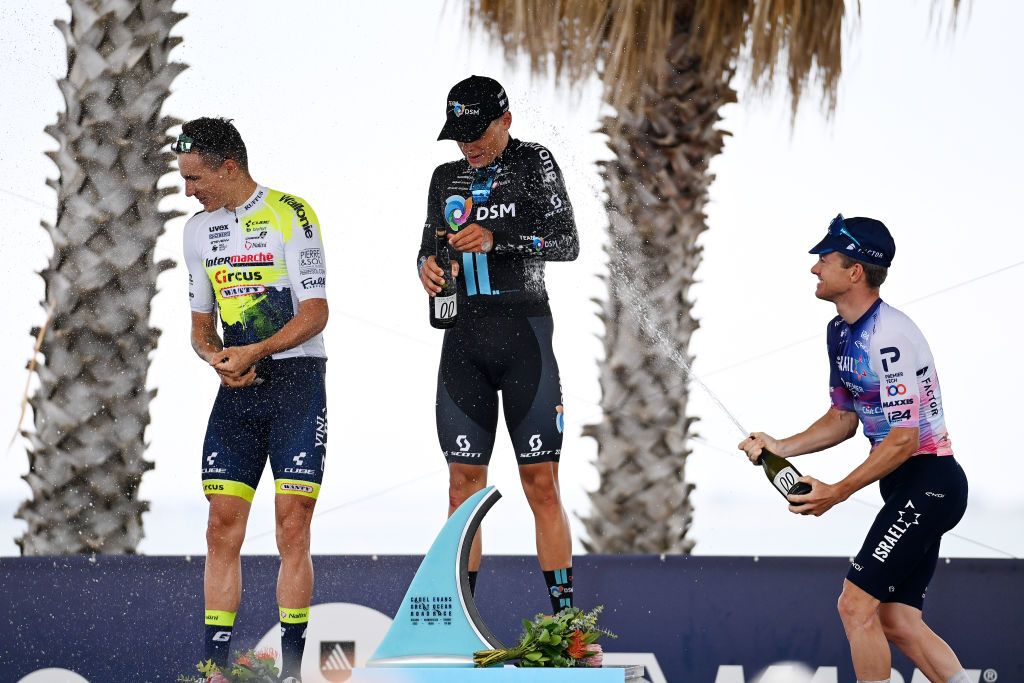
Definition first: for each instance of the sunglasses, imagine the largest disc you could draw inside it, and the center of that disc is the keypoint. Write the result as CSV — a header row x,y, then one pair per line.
x,y
183,145
838,227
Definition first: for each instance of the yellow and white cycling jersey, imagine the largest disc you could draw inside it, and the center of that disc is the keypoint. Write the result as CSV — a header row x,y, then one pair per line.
x,y
256,264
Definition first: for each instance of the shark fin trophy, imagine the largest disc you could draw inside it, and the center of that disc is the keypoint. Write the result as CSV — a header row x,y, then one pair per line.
x,y
438,623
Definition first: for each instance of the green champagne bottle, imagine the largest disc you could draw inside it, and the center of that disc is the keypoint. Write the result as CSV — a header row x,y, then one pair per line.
x,y
782,475
444,306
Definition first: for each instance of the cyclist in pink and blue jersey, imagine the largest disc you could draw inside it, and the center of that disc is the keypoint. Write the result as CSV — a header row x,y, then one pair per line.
x,y
883,377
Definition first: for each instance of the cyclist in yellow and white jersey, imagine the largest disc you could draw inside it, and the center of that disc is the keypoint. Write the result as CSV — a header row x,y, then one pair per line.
x,y
256,255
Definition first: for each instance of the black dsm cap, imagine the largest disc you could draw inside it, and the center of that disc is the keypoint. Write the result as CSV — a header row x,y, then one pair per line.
x,y
472,105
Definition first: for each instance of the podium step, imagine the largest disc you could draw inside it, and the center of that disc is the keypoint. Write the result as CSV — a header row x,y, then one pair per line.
x,y
507,674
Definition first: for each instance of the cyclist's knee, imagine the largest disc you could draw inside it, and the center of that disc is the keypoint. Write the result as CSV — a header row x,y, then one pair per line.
x,y
225,528
293,516
540,485
464,481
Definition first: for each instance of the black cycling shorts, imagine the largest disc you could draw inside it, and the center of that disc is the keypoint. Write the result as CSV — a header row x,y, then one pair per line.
x,y
485,355
924,498
284,417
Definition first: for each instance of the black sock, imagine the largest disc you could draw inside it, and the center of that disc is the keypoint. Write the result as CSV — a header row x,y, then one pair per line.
x,y
559,582
293,640
217,643
472,581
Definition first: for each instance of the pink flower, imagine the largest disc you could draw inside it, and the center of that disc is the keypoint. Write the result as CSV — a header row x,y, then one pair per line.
x,y
596,658
266,654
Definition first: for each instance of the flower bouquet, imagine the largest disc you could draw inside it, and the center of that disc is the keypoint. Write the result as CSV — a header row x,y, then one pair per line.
x,y
259,666
565,639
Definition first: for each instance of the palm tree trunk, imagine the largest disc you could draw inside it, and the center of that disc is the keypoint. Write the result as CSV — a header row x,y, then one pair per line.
x,y
91,407
657,190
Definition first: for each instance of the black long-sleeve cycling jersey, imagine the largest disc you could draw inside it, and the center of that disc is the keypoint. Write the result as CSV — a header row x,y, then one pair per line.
x,y
521,198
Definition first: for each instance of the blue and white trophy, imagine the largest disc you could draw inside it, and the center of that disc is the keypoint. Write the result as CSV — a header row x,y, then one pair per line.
x,y
438,628
438,623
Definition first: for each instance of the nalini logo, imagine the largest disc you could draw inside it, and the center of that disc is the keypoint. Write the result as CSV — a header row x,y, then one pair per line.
x,y
337,659
456,211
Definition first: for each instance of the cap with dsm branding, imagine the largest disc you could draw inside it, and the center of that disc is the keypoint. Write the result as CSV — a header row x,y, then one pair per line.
x,y
472,104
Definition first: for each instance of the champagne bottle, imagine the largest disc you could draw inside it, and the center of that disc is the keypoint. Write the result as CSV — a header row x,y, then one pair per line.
x,y
444,305
782,475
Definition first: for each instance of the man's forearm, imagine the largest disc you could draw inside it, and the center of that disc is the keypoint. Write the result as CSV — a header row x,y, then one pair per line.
x,y
830,429
206,344
894,450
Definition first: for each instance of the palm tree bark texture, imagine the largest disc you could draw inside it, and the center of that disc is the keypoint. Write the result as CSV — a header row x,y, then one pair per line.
x,y
667,67
91,407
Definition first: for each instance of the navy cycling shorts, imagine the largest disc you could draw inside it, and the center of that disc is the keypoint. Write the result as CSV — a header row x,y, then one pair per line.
x,y
485,355
283,418
924,498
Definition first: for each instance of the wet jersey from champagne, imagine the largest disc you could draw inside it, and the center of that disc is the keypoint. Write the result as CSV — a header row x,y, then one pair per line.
x,y
255,264
882,369
521,198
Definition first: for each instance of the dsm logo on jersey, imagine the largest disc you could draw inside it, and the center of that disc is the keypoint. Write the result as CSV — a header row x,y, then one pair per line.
x,y
497,211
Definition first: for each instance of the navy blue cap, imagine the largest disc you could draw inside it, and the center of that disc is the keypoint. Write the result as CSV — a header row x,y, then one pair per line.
x,y
862,239
472,105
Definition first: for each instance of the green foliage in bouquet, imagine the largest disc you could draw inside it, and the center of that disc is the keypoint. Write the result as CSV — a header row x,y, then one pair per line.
x,y
251,666
565,639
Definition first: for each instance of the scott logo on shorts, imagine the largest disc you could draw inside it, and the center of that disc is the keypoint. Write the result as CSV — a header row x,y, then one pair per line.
x,y
462,441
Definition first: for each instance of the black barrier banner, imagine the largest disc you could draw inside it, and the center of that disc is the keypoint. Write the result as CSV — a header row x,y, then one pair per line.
x,y
687,619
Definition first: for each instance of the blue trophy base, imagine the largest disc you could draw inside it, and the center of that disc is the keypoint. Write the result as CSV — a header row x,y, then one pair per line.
x,y
507,674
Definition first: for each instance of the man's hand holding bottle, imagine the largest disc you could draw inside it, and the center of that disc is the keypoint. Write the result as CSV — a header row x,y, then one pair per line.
x,y
432,277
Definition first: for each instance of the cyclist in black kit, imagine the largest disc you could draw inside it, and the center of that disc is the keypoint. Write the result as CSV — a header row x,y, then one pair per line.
x,y
507,212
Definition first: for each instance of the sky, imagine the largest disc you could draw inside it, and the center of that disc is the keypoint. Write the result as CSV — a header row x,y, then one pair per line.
x,y
342,106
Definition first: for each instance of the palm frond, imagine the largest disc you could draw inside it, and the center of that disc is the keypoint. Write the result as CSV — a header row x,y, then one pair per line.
x,y
628,40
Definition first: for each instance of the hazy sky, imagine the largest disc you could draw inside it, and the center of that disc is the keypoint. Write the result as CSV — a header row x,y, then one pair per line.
x,y
342,108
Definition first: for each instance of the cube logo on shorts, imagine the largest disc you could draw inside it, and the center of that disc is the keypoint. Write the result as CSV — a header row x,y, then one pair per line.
x,y
337,659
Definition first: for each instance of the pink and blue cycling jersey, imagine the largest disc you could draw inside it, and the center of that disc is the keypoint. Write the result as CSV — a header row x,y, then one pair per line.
x,y
882,369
